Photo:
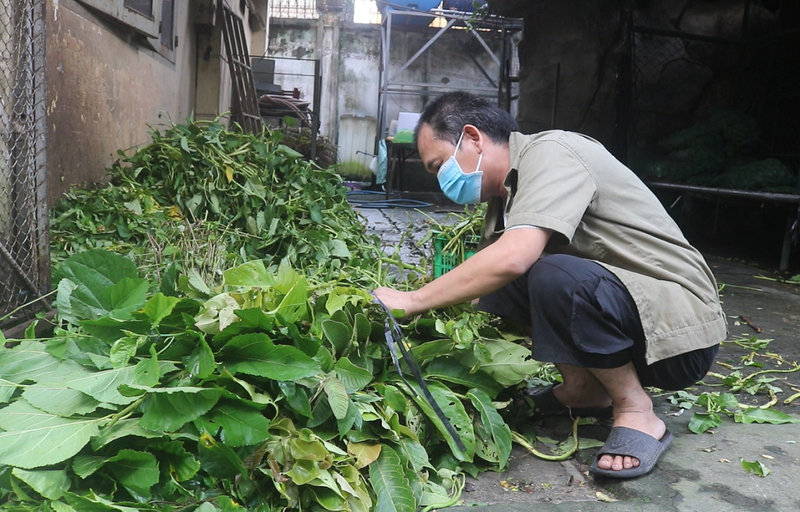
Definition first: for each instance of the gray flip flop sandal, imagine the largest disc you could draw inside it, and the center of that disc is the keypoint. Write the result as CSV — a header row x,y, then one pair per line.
x,y
632,443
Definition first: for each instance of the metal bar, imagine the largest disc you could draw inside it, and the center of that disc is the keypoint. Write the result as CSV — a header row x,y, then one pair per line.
x,y
483,71
491,22
787,239
685,35
725,192
485,46
623,93
488,93
421,85
745,20
424,48
505,70
740,51
383,94
42,238
315,113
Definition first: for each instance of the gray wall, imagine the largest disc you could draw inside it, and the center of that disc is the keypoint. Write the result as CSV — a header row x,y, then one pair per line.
x,y
103,91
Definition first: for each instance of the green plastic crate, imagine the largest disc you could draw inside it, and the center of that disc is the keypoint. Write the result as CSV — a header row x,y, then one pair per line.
x,y
444,262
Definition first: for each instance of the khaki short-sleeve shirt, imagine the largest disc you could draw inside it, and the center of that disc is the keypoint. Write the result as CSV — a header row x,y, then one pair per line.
x,y
600,210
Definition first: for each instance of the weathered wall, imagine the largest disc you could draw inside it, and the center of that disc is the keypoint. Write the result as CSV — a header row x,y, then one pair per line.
x,y
104,89
586,47
359,54
354,88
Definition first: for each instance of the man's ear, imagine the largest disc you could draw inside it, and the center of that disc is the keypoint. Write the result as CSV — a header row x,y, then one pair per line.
x,y
471,132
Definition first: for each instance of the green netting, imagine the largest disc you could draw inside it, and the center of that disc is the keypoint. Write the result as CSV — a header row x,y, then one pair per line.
x,y
697,135
739,129
685,163
770,174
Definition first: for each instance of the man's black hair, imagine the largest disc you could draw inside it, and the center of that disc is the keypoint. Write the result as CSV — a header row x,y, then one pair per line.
x,y
449,113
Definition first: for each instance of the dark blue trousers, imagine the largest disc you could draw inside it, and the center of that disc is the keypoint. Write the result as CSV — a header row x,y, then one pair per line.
x,y
581,314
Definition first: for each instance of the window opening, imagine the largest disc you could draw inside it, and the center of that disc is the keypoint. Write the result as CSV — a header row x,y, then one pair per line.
x,y
167,24
295,9
141,6
143,16
366,11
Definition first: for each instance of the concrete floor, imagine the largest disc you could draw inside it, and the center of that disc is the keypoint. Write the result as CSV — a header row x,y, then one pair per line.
x,y
699,472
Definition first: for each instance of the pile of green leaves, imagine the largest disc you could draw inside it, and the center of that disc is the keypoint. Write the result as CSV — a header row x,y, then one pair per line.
x,y
459,226
721,152
250,196
274,392
233,358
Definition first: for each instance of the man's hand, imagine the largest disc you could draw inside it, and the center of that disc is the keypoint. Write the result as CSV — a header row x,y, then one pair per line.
x,y
395,299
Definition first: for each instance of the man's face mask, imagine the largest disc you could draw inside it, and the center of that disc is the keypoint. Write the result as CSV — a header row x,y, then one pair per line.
x,y
458,186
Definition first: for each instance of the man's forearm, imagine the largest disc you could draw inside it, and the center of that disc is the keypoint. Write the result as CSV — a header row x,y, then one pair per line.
x,y
475,277
490,269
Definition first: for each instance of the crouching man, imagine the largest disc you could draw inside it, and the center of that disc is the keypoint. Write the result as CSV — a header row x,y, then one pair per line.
x,y
581,251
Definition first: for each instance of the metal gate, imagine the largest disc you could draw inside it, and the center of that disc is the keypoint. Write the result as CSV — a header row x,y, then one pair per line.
x,y
24,244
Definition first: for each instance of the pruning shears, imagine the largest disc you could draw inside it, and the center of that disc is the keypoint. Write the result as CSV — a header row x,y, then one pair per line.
x,y
394,340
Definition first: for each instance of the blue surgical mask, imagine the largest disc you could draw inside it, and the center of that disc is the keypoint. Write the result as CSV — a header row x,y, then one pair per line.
x,y
458,186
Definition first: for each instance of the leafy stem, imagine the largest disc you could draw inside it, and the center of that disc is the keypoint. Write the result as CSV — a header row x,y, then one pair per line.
x,y
403,265
525,443
458,489
772,401
124,413
27,304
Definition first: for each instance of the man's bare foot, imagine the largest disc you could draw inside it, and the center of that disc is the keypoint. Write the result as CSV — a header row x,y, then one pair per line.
x,y
633,408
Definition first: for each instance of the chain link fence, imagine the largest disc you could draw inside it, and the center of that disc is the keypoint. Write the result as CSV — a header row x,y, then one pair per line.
x,y
671,76
707,114
678,79
24,252
776,99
